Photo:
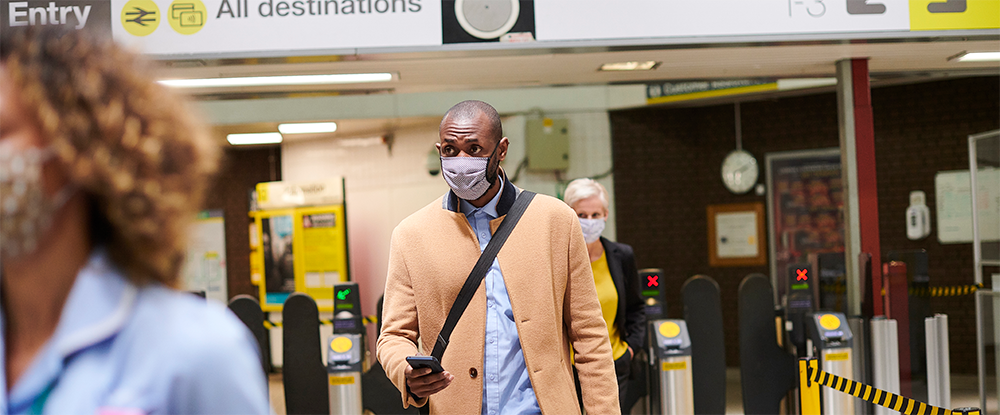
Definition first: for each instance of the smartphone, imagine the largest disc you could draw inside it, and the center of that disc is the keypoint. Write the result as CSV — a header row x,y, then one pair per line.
x,y
419,362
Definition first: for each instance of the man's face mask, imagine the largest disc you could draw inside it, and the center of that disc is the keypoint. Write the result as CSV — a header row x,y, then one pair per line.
x,y
469,177
26,212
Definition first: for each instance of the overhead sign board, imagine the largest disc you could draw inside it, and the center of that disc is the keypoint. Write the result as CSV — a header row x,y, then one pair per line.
x,y
261,28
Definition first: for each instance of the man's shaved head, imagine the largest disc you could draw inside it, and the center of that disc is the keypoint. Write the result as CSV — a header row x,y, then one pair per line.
x,y
470,110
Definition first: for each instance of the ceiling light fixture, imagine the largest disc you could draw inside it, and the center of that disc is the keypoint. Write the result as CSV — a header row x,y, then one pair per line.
x,y
630,66
254,138
308,128
345,78
976,57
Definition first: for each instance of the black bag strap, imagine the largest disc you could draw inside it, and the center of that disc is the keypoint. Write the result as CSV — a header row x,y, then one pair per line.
x,y
479,271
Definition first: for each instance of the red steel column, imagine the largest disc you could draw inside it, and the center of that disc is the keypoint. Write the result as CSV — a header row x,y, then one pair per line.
x,y
864,139
857,143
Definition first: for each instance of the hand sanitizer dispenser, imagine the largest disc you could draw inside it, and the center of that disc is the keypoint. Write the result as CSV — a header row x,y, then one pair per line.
x,y
918,216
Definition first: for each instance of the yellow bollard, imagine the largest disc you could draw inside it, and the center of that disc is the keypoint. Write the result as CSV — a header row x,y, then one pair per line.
x,y
808,389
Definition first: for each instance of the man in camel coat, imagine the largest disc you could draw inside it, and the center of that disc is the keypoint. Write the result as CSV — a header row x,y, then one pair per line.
x,y
510,351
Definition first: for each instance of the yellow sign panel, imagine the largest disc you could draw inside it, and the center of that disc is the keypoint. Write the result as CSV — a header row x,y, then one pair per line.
x,y
829,322
834,357
140,17
301,249
341,344
668,366
954,14
187,17
670,329
341,380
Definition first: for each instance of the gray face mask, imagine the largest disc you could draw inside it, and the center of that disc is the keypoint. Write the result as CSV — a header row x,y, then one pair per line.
x,y
26,213
592,229
468,176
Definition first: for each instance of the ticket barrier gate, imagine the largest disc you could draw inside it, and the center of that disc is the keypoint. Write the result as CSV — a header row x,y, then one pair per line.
x,y
343,366
672,347
833,341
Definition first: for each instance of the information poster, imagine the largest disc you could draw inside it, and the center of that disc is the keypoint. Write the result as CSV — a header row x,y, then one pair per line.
x,y
205,266
953,207
805,206
737,234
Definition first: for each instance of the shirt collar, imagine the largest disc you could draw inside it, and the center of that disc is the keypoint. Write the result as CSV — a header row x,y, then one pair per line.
x,y
490,208
97,308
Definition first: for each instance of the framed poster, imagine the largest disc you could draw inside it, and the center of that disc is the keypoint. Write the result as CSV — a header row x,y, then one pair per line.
x,y
736,235
205,265
805,204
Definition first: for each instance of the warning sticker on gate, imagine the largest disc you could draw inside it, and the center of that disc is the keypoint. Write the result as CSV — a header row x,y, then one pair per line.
x,y
341,380
832,357
668,366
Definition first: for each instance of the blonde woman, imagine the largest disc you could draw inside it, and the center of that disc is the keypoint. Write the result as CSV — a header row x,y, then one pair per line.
x,y
101,170
615,276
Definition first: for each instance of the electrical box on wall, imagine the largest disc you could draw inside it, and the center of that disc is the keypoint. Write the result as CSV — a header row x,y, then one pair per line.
x,y
547,144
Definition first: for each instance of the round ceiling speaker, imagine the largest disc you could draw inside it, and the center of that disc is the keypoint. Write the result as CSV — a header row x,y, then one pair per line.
x,y
487,19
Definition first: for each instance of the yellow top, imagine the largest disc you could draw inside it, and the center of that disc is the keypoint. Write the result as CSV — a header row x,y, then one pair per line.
x,y
608,296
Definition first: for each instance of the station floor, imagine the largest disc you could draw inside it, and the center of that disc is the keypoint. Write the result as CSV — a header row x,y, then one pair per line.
x,y
963,393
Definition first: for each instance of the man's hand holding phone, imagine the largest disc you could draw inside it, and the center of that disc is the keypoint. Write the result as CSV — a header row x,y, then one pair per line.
x,y
425,376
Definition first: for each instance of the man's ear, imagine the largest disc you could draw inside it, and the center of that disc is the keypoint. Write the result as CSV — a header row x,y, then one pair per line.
x,y
502,150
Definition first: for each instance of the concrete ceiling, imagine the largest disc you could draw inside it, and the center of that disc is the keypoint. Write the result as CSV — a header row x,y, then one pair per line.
x,y
526,68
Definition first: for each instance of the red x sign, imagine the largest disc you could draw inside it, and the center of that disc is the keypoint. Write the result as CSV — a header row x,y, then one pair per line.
x,y
800,275
651,281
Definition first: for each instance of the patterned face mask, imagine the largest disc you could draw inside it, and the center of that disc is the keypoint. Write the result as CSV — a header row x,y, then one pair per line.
x,y
592,229
25,211
467,176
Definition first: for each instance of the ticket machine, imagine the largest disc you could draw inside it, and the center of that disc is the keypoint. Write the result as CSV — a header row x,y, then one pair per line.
x,y
672,351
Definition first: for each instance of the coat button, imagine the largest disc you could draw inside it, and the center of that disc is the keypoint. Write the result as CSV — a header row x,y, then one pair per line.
x,y
473,373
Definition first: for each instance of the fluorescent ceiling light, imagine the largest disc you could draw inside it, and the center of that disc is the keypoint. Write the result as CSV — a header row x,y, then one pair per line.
x,y
253,138
630,66
308,128
976,57
346,78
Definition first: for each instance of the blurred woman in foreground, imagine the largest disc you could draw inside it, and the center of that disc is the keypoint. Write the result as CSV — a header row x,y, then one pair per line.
x,y
101,170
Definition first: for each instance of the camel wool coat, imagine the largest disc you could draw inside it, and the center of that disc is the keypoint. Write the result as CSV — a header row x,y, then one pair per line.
x,y
546,270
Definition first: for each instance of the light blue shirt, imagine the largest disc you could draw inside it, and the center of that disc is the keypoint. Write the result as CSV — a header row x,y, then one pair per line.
x,y
507,388
123,349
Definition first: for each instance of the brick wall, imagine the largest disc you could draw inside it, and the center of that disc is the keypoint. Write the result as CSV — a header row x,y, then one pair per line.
x,y
239,173
667,170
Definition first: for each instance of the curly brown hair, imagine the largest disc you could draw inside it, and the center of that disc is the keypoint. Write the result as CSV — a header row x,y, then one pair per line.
x,y
132,146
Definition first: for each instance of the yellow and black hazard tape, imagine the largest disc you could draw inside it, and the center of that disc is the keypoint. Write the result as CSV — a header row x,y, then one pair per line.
x,y
952,291
366,320
880,397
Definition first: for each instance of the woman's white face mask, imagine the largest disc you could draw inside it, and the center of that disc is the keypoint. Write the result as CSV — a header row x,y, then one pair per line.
x,y
592,228
26,212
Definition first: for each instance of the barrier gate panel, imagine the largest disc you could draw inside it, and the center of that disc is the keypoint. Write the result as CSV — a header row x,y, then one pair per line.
x,y
673,351
703,314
